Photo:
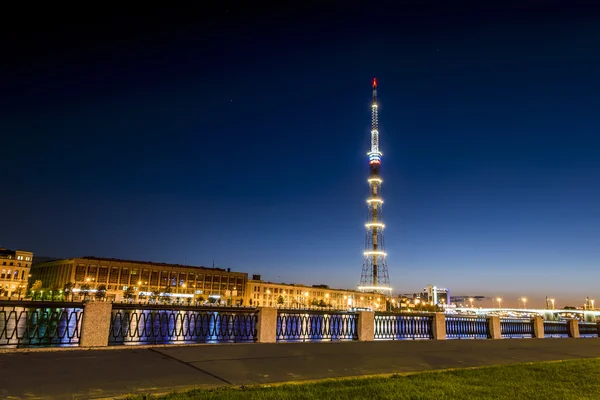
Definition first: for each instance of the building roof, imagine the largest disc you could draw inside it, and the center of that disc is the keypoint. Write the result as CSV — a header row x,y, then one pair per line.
x,y
155,264
300,285
4,252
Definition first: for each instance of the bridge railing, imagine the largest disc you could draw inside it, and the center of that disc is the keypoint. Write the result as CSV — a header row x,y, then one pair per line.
x,y
466,327
394,326
516,328
39,324
310,325
158,324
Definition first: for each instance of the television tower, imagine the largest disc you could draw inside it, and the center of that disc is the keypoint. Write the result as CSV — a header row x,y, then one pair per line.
x,y
374,276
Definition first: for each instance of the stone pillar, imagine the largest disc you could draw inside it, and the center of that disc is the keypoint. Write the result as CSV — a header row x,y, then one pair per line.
x,y
439,326
494,327
573,328
95,324
538,327
267,325
366,326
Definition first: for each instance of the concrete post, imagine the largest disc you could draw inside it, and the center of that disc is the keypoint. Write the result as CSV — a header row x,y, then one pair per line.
x,y
266,326
366,326
494,327
439,326
573,328
95,325
538,327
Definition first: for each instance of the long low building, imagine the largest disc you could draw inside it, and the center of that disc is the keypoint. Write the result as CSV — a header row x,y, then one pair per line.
x,y
143,279
269,294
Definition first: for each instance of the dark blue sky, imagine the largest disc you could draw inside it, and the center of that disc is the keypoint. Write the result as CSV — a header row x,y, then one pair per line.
x,y
240,136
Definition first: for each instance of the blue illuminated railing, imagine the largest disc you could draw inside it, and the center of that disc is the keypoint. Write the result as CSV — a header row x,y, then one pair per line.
x,y
40,323
137,324
588,329
516,328
461,327
390,326
309,325
556,329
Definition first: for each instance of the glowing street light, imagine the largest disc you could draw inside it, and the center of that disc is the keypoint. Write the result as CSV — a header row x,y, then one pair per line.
x,y
552,301
524,299
471,300
499,300
592,304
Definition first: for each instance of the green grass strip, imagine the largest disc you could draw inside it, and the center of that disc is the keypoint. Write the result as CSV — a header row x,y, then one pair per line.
x,y
574,379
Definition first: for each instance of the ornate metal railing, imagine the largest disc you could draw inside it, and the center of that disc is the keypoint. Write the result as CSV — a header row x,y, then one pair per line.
x,y
556,329
39,323
588,329
143,324
466,327
516,328
390,326
303,326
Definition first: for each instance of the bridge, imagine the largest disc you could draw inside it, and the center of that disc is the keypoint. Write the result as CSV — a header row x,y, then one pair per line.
x,y
585,315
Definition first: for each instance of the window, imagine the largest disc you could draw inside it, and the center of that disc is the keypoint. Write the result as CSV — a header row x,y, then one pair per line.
x,y
3,275
27,258
16,275
80,273
124,280
8,275
114,275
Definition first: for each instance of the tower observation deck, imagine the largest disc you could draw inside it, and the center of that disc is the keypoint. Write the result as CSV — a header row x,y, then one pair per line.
x,y
374,276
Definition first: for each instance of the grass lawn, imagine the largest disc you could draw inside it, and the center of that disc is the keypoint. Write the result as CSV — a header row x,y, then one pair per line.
x,y
577,379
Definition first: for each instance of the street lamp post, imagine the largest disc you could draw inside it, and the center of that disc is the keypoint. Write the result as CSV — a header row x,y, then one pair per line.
x,y
524,299
471,300
499,302
552,301
592,304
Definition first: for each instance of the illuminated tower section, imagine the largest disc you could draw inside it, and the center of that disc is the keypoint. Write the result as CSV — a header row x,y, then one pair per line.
x,y
374,277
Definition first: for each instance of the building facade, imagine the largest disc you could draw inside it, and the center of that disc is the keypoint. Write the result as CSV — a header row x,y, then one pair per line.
x,y
146,279
15,266
260,293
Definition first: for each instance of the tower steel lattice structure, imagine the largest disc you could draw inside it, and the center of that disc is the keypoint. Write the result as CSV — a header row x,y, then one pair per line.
x,y
374,276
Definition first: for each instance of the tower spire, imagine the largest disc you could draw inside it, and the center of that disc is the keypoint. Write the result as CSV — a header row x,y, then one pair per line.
x,y
374,277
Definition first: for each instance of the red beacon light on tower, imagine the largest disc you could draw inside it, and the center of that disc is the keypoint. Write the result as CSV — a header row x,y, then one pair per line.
x,y
374,82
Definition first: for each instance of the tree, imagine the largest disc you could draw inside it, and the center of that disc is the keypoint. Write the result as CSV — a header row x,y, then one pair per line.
x,y
101,292
201,299
280,300
68,290
18,291
154,296
36,287
322,303
1,291
129,293
314,303
54,288
166,294
85,289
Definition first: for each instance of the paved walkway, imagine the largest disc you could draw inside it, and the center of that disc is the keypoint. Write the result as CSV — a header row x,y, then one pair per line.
x,y
84,374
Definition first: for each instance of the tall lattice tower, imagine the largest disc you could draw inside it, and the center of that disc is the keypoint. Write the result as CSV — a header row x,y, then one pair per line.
x,y
374,277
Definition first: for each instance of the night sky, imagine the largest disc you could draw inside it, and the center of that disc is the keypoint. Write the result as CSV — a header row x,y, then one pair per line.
x,y
240,136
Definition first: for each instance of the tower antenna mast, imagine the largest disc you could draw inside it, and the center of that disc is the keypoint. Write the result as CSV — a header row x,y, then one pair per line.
x,y
374,276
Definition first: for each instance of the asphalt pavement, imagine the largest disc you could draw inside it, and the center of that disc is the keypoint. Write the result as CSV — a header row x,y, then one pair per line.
x,y
110,373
